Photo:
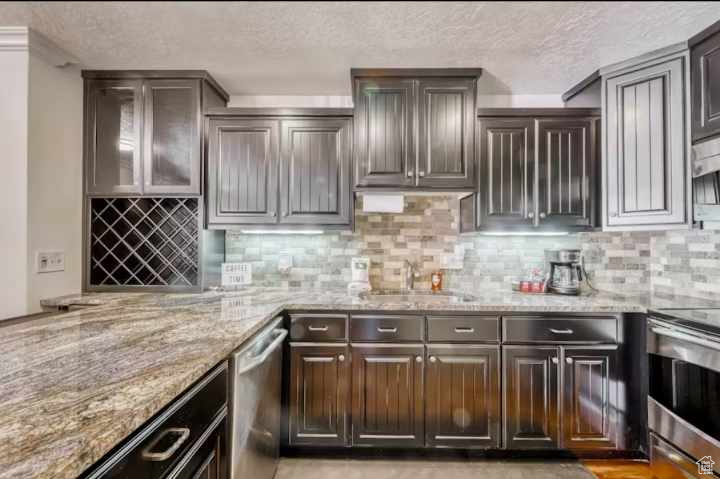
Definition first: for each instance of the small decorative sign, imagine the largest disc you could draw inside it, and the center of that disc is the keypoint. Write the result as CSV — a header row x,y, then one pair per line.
x,y
236,274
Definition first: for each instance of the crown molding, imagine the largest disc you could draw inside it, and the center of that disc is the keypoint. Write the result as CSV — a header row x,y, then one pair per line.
x,y
25,39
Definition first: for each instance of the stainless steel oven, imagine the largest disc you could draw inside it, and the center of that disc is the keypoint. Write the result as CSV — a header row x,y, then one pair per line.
x,y
684,405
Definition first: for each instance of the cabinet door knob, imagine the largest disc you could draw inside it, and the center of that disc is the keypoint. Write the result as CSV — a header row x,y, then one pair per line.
x,y
433,359
418,359
542,215
613,214
421,174
531,215
569,360
410,173
341,358
554,360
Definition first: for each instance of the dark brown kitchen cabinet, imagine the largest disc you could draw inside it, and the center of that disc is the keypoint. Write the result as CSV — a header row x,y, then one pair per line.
x,y
462,398
705,83
646,154
531,397
537,170
505,197
446,116
242,171
315,171
566,171
319,394
210,460
279,168
143,130
384,132
172,137
590,397
387,404
415,128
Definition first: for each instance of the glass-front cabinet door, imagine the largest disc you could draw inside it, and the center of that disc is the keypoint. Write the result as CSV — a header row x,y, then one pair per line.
x,y
114,137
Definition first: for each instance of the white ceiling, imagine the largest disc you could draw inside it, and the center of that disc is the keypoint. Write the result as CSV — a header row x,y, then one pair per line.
x,y
306,48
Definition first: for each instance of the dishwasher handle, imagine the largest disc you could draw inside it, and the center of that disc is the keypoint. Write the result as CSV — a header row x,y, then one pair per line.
x,y
262,357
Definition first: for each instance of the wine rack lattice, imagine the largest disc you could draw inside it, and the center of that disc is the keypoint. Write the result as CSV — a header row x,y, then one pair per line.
x,y
143,242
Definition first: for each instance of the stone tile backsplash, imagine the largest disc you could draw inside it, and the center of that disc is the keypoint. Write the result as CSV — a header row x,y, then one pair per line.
x,y
426,233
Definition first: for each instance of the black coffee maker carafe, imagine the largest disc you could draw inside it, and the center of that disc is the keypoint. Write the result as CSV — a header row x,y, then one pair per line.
x,y
566,274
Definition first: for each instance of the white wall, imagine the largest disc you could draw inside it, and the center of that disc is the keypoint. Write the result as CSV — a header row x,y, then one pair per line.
x,y
55,177
13,193
484,101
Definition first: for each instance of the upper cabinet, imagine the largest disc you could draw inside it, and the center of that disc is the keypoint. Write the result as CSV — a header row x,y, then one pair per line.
x,y
646,145
279,168
415,128
537,170
143,132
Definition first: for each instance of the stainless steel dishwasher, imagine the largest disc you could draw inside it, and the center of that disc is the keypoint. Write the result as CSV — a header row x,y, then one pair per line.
x,y
256,372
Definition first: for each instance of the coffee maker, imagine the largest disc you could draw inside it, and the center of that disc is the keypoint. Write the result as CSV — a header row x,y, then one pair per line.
x,y
567,272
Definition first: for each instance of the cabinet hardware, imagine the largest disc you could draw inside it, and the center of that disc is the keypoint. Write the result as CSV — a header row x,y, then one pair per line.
x,y
464,330
554,360
410,173
418,359
183,435
421,174
433,359
613,214
273,213
542,215
531,215
386,330
561,331
569,360
341,358
318,328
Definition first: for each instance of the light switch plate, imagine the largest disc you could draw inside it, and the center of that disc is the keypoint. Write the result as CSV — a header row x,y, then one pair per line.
x,y
49,261
236,274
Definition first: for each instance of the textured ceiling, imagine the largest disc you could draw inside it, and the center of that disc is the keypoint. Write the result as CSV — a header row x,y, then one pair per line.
x,y
306,48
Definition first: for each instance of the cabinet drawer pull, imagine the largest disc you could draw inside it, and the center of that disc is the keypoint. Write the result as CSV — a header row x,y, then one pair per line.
x,y
464,330
561,331
341,358
569,360
410,173
433,359
318,328
554,360
418,359
386,330
183,435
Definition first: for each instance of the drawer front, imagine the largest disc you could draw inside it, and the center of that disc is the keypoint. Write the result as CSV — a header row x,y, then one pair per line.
x,y
381,328
463,329
560,330
318,327
161,445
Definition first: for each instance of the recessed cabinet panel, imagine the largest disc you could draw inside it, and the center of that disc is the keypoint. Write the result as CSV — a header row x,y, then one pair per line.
x,y
384,132
506,172
646,155
566,165
113,136
172,139
531,397
315,171
590,398
319,394
242,169
462,401
387,395
705,65
446,132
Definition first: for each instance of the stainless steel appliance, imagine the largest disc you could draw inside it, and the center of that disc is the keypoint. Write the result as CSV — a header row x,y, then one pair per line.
x,y
683,348
256,373
566,274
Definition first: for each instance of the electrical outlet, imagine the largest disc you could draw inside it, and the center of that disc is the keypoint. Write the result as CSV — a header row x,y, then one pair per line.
x,y
236,274
49,261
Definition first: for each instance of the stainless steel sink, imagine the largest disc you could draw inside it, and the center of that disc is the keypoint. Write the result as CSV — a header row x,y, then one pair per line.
x,y
400,296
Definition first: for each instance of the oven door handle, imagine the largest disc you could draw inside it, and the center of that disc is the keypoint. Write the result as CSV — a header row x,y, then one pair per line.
x,y
689,338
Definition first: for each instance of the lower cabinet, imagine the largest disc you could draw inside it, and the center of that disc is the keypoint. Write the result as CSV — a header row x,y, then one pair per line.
x,y
387,382
531,397
560,397
209,462
319,394
462,396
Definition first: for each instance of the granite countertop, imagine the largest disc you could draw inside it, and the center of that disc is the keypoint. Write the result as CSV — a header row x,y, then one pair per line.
x,y
76,384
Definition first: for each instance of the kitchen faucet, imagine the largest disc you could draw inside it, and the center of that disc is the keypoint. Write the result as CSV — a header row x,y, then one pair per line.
x,y
409,277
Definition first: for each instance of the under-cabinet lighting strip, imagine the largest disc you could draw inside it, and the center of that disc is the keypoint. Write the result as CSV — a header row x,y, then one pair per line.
x,y
282,232
524,233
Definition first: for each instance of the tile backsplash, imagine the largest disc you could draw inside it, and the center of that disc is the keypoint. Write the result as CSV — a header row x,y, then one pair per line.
x,y
427,234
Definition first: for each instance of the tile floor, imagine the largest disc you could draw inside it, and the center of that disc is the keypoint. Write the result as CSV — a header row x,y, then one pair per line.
x,y
291,468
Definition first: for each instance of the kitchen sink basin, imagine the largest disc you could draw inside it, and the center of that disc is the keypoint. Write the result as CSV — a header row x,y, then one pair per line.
x,y
399,296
